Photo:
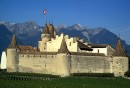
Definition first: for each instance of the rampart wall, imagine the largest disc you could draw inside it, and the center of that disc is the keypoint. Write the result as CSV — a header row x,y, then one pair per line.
x,y
90,64
36,63
65,64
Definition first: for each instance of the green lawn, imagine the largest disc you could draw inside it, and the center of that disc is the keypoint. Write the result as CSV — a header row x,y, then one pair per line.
x,y
14,81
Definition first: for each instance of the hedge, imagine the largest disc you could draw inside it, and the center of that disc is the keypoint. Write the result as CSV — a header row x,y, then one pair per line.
x,y
29,74
127,73
93,74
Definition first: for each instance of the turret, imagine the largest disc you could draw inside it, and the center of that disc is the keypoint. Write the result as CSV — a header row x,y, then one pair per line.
x,y
45,32
119,60
45,37
119,51
48,33
52,31
12,56
63,60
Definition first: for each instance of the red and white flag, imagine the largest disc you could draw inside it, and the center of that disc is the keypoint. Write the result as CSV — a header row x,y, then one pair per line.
x,y
44,11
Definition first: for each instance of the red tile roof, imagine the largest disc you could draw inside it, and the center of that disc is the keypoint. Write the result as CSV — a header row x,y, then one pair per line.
x,y
26,48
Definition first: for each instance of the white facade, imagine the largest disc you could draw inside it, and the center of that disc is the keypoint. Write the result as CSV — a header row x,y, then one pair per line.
x,y
108,50
54,44
100,50
3,60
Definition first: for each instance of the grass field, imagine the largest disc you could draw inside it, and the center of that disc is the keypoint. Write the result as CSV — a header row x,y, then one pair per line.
x,y
19,81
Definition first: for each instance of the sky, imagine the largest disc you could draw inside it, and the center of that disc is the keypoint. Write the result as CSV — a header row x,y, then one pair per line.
x,y
113,15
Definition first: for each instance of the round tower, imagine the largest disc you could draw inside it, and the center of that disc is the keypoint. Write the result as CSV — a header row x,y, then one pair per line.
x,y
63,60
12,56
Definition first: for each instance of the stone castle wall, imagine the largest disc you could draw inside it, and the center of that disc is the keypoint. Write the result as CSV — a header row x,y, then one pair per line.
x,y
36,63
46,64
65,64
119,65
99,64
12,60
90,64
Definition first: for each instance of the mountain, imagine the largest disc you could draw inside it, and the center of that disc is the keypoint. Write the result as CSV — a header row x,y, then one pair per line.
x,y
97,35
28,33
75,30
5,36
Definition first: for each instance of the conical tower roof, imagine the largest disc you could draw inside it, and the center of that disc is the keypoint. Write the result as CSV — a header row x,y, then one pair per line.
x,y
51,30
63,47
46,29
13,43
119,51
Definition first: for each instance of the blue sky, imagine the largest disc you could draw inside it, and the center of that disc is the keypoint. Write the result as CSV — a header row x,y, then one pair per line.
x,y
111,14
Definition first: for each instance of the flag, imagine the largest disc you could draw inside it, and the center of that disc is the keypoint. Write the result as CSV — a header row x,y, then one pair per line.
x,y
44,11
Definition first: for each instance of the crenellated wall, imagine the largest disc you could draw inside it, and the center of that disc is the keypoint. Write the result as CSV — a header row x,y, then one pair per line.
x,y
54,44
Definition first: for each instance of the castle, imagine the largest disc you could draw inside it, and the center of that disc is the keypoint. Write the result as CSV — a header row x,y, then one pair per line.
x,y
63,55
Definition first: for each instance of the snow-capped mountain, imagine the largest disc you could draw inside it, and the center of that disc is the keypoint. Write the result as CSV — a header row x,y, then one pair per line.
x,y
61,26
21,28
76,26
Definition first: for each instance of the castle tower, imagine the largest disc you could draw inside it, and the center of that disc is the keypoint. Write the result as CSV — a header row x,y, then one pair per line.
x,y
45,37
12,56
52,31
119,51
49,32
119,60
63,60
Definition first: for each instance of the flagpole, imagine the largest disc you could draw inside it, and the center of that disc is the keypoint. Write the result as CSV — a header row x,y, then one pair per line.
x,y
44,13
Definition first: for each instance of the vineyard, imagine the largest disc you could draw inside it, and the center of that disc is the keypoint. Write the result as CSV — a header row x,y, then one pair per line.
x,y
22,80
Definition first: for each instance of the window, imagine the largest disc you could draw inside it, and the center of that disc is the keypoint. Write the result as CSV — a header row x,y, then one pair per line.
x,y
17,49
70,43
98,50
